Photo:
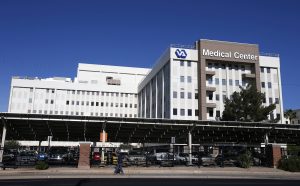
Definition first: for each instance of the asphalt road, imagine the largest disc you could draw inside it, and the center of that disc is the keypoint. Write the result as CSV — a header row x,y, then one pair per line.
x,y
144,182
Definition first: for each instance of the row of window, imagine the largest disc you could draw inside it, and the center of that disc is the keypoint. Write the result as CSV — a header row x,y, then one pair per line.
x,y
262,69
210,97
82,113
223,66
87,103
188,79
83,92
189,64
184,112
263,84
188,95
224,82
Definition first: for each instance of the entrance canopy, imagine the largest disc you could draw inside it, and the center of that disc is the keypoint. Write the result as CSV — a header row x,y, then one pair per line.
x,y
140,130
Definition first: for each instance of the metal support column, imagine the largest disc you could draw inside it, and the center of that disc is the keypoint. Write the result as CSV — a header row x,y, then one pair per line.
x,y
103,144
2,142
190,149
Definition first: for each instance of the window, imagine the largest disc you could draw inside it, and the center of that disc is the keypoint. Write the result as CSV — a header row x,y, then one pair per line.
x,y
217,97
223,81
236,67
277,100
111,104
67,102
209,80
121,104
230,67
53,90
46,101
210,96
182,95
196,95
211,113
77,102
262,69
189,95
230,82
189,112
135,105
97,104
181,112
73,102
243,83
126,105
83,92
92,103
263,84
174,111
189,63
243,68
87,103
78,92
269,85
174,94
73,91
30,100
270,100
224,97
237,82
209,65
217,81
102,104
223,66
82,103
268,70
196,112
130,105
264,100
31,89
116,104
189,79
182,79
216,65
218,114
52,101
182,63
102,93
56,112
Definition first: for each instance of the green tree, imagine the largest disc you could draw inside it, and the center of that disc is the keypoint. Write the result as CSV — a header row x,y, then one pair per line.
x,y
247,105
290,114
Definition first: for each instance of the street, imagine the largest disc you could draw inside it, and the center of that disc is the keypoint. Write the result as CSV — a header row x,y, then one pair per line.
x,y
144,182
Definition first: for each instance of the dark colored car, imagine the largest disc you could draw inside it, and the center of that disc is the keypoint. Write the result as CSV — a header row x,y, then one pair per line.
x,y
26,158
58,155
96,158
208,160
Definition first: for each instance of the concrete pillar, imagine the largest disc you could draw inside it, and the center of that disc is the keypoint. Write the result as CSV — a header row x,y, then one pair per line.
x,y
190,149
84,157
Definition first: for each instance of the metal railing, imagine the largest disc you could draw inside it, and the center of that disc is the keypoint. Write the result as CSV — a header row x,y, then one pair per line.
x,y
269,54
183,46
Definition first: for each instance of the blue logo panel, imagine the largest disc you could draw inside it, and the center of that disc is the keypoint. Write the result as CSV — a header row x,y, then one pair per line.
x,y
181,53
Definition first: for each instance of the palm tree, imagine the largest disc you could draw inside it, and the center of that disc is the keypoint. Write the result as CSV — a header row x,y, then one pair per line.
x,y
290,114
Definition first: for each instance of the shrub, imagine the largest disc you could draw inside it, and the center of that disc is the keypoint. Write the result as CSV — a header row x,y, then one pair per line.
x,y
245,160
291,164
41,165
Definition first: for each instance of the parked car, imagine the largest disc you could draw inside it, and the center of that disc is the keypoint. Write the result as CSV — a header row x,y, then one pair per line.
x,y
180,158
10,159
26,158
208,160
226,160
96,158
136,158
58,155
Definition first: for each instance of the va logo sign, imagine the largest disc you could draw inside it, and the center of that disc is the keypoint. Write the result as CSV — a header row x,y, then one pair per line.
x,y
181,53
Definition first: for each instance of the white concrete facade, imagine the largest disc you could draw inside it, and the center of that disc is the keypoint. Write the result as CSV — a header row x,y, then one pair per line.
x,y
98,90
171,88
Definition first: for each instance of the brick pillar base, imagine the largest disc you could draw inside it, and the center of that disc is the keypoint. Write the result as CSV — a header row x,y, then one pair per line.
x,y
84,156
273,153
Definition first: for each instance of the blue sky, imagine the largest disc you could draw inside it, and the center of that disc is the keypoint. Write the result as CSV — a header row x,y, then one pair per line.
x,y
49,38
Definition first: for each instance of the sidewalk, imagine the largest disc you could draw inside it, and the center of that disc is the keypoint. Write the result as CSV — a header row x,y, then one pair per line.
x,y
151,172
